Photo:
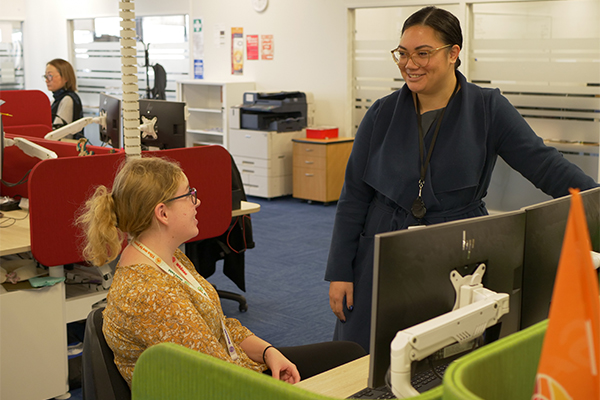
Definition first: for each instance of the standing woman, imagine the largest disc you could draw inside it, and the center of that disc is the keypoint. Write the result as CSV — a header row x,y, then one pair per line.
x,y
424,155
62,82
157,296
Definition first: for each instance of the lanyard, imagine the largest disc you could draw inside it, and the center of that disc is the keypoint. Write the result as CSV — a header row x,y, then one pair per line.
x,y
418,208
188,279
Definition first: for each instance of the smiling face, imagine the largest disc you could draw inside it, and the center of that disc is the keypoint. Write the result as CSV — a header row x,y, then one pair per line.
x,y
439,73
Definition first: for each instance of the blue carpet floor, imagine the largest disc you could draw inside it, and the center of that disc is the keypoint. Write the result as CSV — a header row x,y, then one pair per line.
x,y
287,296
288,302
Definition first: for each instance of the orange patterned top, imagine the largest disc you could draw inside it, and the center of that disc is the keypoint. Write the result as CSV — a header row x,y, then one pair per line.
x,y
146,306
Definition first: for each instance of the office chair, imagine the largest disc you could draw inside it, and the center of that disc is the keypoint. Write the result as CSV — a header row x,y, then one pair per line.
x,y
171,371
100,378
230,246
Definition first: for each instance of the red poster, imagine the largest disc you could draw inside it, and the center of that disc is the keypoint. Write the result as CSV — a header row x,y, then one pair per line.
x,y
267,49
252,47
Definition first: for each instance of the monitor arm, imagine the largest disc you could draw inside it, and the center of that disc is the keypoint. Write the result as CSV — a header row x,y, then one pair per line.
x,y
460,325
76,126
30,148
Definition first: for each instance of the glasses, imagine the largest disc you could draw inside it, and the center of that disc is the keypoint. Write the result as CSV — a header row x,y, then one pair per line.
x,y
192,193
48,77
420,57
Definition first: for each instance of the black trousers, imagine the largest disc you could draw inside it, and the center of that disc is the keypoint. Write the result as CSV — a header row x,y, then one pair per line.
x,y
312,359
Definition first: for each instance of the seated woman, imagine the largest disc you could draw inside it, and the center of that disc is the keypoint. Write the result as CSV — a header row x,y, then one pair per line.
x,y
157,295
62,82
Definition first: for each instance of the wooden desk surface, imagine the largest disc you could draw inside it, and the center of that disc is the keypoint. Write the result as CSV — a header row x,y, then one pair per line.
x,y
247,208
14,230
340,382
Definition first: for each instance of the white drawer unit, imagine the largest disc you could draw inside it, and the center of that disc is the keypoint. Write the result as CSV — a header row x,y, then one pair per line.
x,y
265,160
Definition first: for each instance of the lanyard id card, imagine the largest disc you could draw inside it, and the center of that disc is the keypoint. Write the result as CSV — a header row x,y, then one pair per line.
x,y
186,278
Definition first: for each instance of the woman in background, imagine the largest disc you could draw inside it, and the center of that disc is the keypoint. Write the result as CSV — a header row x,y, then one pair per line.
x,y
62,82
157,295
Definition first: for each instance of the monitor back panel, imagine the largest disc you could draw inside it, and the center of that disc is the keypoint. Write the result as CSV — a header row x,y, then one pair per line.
x,y
411,282
544,233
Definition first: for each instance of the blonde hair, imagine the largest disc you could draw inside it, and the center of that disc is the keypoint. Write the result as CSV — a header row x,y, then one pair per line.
x,y
65,69
108,217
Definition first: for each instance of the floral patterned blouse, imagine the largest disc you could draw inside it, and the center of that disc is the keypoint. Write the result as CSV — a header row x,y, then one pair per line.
x,y
146,306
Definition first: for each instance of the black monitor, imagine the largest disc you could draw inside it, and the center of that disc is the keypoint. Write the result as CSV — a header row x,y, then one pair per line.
x,y
170,123
111,106
411,281
544,234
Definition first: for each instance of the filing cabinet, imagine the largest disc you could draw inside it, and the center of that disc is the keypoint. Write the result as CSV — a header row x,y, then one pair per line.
x,y
319,167
264,159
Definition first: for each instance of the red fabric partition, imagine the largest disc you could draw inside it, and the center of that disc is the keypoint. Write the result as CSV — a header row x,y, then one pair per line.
x,y
38,131
26,108
59,187
16,164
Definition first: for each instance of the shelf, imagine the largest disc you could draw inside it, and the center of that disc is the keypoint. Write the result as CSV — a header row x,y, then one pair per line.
x,y
203,132
207,110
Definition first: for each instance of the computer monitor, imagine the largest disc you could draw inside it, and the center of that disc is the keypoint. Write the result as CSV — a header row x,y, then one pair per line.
x,y
169,126
544,234
411,281
111,107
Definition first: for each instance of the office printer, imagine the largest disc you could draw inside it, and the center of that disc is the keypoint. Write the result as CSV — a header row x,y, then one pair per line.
x,y
280,112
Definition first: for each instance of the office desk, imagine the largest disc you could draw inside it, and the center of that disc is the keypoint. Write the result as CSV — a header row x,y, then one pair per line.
x,y
247,208
340,382
15,238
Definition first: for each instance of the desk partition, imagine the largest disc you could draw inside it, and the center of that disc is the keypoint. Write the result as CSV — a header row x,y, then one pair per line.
x,y
17,163
59,187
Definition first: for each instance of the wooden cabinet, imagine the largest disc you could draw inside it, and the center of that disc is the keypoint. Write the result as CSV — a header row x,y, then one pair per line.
x,y
319,167
208,104
264,159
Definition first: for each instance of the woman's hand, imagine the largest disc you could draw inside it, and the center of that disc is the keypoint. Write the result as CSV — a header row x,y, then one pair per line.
x,y
281,368
337,291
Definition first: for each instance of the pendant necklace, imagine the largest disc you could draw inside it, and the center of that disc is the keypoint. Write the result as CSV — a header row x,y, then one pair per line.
x,y
418,209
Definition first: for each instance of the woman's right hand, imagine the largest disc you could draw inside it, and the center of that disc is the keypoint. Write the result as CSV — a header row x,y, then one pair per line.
x,y
337,291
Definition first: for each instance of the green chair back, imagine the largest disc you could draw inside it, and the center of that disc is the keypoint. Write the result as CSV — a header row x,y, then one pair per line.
x,y
502,370
171,371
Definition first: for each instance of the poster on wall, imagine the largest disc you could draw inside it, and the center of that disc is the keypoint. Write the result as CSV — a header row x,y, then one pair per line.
x,y
266,47
237,51
252,47
198,49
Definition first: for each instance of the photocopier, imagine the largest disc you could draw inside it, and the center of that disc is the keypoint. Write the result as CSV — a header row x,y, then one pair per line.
x,y
278,112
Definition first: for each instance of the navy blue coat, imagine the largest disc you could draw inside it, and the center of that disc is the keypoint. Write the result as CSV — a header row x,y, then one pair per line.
x,y
383,172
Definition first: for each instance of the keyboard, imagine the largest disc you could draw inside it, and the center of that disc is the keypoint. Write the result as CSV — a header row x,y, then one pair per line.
x,y
382,392
422,382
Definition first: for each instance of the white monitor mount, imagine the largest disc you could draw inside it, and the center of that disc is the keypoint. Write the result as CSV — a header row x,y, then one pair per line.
x,y
476,309
76,126
30,148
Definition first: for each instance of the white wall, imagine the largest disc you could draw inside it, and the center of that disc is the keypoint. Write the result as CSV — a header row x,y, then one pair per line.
x,y
310,38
